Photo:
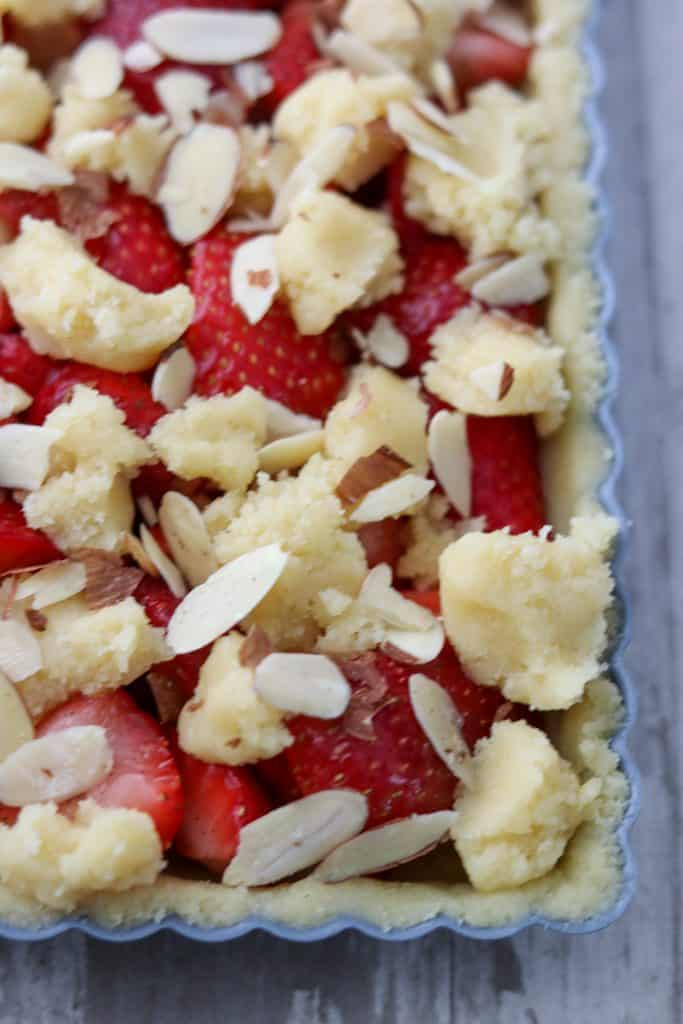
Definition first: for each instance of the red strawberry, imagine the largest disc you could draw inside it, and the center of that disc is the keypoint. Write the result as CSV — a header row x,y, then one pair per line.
x,y
219,800
20,365
7,321
20,546
144,776
477,56
271,356
276,775
429,599
288,63
507,486
160,604
396,767
137,248
15,204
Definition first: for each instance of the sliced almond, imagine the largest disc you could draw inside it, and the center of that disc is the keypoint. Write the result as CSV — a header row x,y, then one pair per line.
x,y
440,722
253,79
225,598
392,499
384,342
514,282
147,510
13,399
495,380
132,547
254,277
142,56
16,727
282,422
97,68
444,84
256,647
25,455
187,537
290,452
502,20
417,646
53,584
57,766
317,169
296,836
168,571
107,579
303,684
386,847
20,652
199,180
449,453
26,168
429,140
358,55
173,379
183,94
368,473
474,272
168,697
378,595
212,37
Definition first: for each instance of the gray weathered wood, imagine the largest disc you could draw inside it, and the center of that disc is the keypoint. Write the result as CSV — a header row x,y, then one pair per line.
x,y
630,974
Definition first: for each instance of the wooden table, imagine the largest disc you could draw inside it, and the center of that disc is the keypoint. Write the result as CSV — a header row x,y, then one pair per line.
x,y
630,974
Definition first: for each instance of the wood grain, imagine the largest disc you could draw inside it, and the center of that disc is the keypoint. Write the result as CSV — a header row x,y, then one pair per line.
x,y
631,973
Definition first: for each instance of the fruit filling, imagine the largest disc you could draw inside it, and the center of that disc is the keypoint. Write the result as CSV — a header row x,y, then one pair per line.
x,y
279,593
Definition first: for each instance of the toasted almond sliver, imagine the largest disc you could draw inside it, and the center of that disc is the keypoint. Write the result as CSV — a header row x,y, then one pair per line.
x,y
384,342
393,499
303,684
386,847
282,422
474,272
56,766
173,379
358,55
522,280
254,277
316,170
16,727
183,94
26,168
417,646
212,37
199,180
142,56
449,453
13,399
97,68
440,721
187,537
25,455
368,473
147,510
253,79
290,452
378,595
107,579
168,698
509,24
53,584
445,87
225,598
168,571
426,139
132,547
256,647
495,380
296,836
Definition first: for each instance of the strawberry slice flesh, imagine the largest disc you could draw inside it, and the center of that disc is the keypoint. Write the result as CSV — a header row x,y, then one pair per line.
x,y
20,365
477,56
21,546
288,63
507,486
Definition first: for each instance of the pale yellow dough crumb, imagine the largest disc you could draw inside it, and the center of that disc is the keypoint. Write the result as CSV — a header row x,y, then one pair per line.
x,y
34,13
430,534
25,99
334,254
525,803
529,615
217,438
226,722
88,651
71,309
59,862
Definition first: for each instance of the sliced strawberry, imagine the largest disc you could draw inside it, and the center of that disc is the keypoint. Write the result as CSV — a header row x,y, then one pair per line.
x,y
7,321
15,204
276,776
20,365
144,776
219,801
507,486
477,56
160,604
289,62
429,599
396,766
20,546
271,356
383,542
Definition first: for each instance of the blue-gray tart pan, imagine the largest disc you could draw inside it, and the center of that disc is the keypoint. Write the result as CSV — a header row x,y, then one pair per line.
x,y
609,501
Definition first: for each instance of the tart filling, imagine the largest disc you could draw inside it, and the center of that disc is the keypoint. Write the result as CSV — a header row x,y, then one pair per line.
x,y
305,599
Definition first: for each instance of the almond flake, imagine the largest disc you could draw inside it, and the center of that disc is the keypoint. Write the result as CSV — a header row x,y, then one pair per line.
x,y
57,582
173,379
474,272
82,213
368,473
384,342
514,282
147,510
108,580
440,722
417,647
379,596
168,571
20,652
97,68
13,399
358,55
199,180
444,84
168,697
57,766
317,169
296,836
282,422
142,56
225,598
25,455
429,140
36,620
380,849
495,380
253,79
257,646
303,684
449,454
187,537
26,168
132,547
254,277
503,21
378,147
368,698
290,452
16,727
183,94
392,499
227,107
212,37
